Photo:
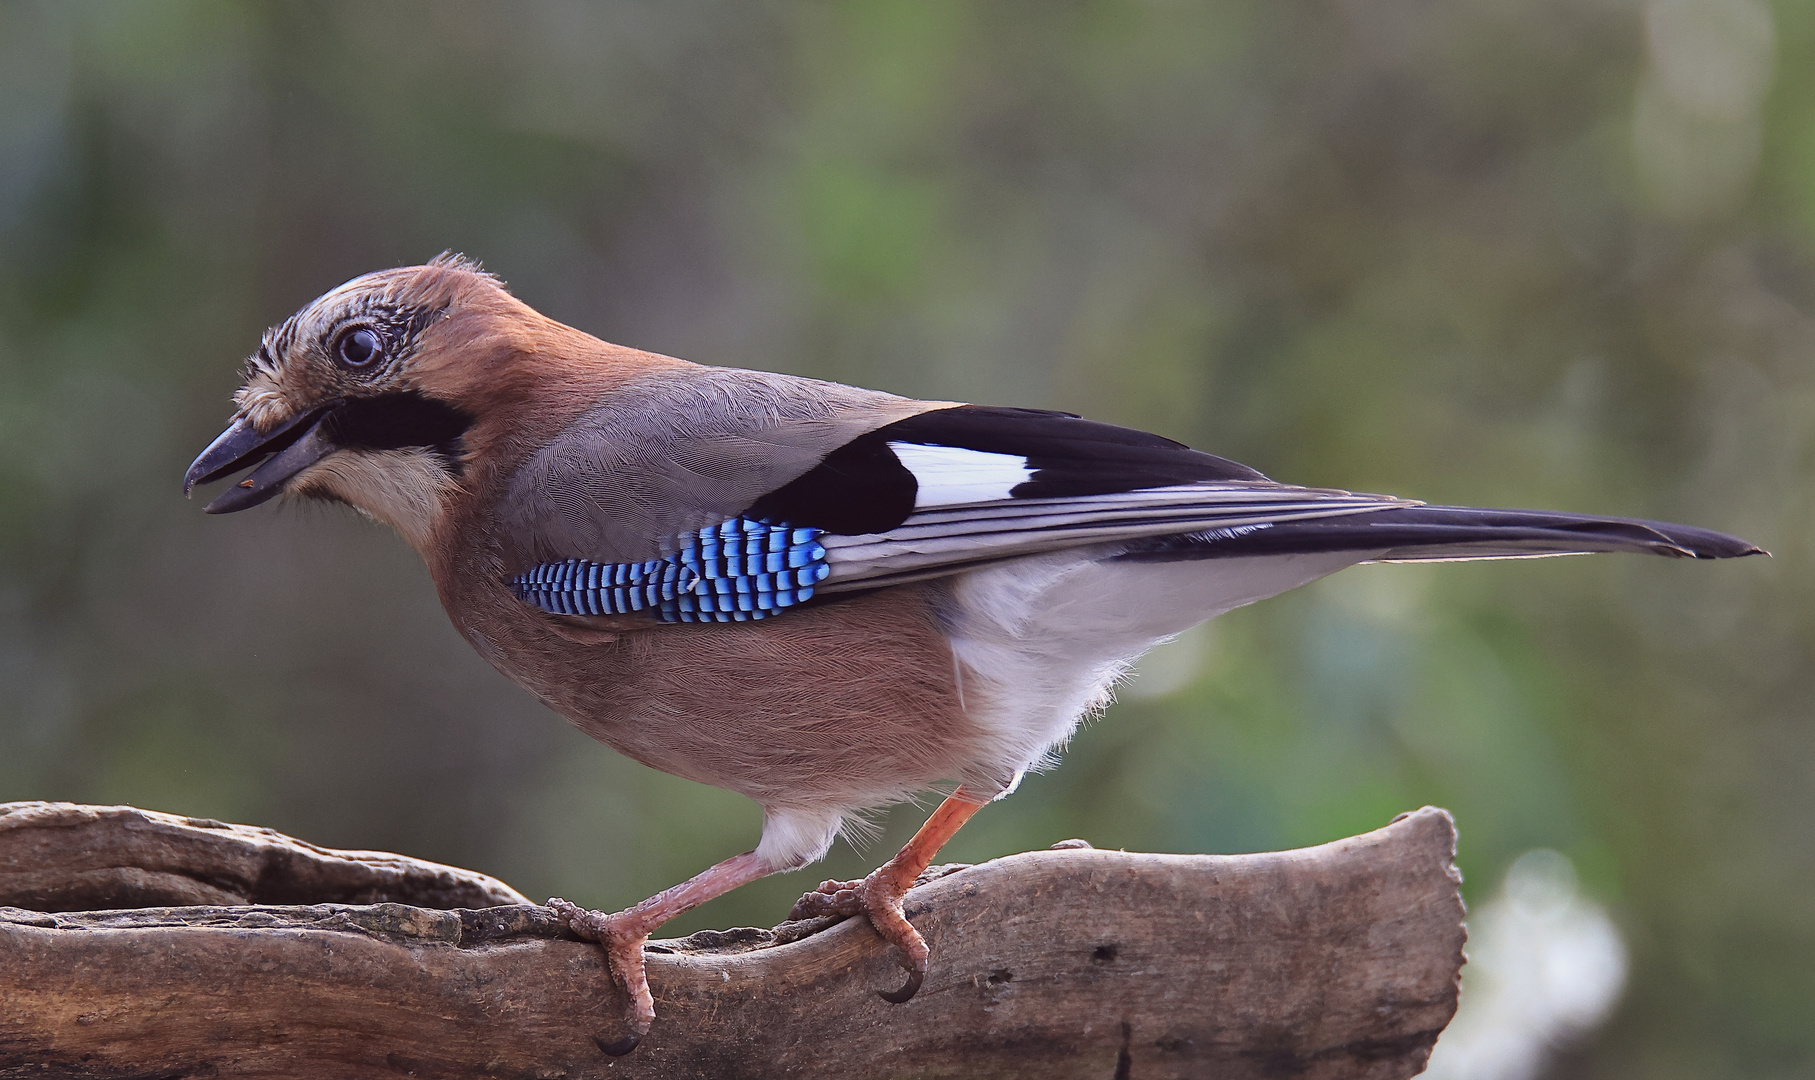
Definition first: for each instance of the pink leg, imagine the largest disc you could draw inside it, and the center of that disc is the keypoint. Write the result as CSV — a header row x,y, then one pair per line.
x,y
879,895
623,933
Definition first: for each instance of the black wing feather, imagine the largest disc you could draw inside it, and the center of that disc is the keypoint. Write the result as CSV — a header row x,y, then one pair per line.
x,y
863,488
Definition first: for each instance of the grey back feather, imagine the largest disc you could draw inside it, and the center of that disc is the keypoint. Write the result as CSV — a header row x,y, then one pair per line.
x,y
678,450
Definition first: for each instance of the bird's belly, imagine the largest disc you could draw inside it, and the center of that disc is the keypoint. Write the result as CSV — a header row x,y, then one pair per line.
x,y
850,703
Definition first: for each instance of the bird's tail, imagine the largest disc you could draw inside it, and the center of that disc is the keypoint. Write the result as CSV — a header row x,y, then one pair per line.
x,y
1451,534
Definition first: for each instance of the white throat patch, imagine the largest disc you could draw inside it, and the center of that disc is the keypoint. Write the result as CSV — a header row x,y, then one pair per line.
x,y
404,489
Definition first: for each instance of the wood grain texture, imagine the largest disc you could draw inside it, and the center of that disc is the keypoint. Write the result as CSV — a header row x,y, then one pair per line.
x,y
1334,961
69,857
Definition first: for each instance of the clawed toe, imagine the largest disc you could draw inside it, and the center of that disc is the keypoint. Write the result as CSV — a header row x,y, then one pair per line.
x,y
882,894
590,925
623,948
831,898
878,897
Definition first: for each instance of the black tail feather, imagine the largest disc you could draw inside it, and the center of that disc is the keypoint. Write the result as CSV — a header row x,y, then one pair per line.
x,y
1437,533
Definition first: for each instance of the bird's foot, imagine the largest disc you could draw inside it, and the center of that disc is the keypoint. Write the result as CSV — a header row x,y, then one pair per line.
x,y
879,897
622,939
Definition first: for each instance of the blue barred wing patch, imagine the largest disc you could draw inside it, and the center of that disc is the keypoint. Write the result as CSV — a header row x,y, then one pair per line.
x,y
731,572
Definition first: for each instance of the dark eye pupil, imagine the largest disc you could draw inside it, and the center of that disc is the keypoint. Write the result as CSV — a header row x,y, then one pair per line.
x,y
359,347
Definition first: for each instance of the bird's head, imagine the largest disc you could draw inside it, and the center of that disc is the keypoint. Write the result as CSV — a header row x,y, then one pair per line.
x,y
383,392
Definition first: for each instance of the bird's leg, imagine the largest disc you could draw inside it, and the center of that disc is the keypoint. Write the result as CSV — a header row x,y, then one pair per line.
x,y
622,934
879,895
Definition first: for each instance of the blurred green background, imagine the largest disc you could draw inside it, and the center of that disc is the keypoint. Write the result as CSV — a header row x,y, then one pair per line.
x,y
1557,253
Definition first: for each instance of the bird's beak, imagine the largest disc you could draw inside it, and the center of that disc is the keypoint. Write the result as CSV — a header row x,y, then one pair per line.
x,y
286,450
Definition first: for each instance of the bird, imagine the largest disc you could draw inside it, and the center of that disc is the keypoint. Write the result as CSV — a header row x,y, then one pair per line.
x,y
826,598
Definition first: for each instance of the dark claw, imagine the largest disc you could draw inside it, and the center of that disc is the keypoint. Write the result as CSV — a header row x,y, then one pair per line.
x,y
908,990
618,1049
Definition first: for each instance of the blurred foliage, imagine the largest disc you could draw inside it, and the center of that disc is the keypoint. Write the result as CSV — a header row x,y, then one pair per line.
x,y
1558,253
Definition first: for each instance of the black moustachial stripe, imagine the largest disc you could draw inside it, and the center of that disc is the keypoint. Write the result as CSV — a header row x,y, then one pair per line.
x,y
863,488
398,420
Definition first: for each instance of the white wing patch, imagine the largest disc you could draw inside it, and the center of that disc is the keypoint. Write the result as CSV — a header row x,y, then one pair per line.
x,y
952,475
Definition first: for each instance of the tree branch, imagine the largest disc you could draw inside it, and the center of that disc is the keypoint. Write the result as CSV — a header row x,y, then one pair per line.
x,y
1333,961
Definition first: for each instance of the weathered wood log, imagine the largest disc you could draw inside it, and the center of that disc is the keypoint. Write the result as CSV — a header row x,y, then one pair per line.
x,y
1334,961
68,857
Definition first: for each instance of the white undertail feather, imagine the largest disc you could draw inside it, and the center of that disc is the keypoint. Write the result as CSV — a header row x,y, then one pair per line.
x,y
795,836
1042,641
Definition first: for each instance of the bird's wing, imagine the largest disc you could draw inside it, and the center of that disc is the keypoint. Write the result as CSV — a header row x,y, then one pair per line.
x,y
948,490
674,452
952,488
743,494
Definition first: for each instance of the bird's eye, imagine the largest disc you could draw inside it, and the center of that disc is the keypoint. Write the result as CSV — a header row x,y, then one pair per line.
x,y
359,347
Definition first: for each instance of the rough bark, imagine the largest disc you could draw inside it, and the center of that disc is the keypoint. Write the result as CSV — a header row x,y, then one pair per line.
x,y
1333,961
68,857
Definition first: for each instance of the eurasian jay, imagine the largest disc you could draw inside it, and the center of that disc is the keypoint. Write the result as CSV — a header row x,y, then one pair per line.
x,y
823,597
